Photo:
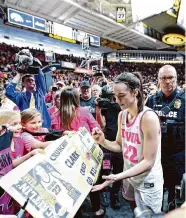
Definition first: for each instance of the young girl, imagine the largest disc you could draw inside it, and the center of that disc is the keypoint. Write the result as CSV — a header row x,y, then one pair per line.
x,y
55,107
70,115
31,121
11,153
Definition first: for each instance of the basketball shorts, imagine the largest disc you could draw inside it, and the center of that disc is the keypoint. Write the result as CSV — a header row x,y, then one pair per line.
x,y
151,197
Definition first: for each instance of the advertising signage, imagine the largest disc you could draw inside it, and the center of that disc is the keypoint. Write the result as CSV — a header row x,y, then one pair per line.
x,y
26,20
68,34
62,30
61,38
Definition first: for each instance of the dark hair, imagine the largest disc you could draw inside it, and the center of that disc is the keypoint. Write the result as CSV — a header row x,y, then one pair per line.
x,y
69,101
26,76
133,81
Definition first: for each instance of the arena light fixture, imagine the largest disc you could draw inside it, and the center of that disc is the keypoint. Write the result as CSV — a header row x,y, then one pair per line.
x,y
174,39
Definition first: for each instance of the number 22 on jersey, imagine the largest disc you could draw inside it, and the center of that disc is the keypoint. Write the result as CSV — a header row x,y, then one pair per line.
x,y
130,153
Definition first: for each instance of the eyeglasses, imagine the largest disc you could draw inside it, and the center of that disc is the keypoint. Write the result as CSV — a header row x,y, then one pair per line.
x,y
170,78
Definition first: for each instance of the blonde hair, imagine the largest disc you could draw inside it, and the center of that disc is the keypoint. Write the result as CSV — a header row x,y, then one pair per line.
x,y
29,114
6,115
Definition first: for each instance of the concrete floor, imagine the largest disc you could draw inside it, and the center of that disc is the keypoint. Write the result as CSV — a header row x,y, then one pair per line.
x,y
123,212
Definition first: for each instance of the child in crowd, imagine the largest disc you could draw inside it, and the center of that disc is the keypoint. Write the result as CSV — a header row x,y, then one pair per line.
x,y
11,153
55,107
31,121
70,115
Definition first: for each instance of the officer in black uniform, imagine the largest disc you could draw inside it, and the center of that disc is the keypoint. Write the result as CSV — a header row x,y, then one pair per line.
x,y
169,103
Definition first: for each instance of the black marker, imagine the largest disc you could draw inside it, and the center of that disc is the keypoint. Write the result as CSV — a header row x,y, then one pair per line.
x,y
22,211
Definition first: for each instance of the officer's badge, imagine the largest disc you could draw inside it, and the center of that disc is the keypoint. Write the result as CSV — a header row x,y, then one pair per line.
x,y
177,104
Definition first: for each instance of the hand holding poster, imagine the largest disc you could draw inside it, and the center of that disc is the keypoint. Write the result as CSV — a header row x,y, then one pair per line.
x,y
58,181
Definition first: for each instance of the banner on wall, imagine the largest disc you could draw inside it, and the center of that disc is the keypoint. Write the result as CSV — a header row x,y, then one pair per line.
x,y
120,14
61,38
58,181
62,30
26,20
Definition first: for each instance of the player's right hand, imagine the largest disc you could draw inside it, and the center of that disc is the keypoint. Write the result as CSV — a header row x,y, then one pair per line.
x,y
98,135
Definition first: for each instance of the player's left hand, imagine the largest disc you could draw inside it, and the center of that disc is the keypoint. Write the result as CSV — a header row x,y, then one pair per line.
x,y
109,180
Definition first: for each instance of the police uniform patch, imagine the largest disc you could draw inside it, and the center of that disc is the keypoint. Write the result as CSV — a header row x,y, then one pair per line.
x,y
177,104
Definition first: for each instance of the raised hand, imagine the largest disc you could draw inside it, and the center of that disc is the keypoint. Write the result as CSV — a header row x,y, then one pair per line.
x,y
98,135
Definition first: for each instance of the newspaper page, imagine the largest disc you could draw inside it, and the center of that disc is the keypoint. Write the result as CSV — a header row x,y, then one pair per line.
x,y
58,181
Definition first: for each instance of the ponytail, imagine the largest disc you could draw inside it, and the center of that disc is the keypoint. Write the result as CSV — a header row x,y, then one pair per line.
x,y
140,92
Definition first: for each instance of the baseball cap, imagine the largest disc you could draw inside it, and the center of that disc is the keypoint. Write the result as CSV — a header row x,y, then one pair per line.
x,y
85,83
60,83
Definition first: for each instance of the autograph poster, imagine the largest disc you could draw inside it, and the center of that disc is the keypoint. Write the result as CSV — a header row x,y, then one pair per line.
x,y
58,181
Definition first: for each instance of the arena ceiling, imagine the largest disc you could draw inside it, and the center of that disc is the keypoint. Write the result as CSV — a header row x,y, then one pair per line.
x,y
92,16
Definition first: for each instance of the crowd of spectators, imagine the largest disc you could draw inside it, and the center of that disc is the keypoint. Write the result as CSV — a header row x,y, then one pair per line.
x,y
43,109
148,70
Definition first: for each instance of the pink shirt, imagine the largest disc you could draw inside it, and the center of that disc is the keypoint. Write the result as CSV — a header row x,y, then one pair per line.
x,y
52,110
83,119
6,206
19,148
29,140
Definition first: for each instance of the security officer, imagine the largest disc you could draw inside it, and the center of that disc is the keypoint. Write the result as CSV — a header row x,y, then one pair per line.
x,y
169,103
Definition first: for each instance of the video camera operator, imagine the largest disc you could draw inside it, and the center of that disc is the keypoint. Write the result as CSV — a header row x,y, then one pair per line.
x,y
29,71
109,112
169,103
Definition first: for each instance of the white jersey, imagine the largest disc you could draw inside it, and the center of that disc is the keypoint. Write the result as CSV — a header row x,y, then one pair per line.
x,y
132,148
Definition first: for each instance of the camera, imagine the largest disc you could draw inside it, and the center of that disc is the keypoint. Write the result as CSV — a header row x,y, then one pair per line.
x,y
86,77
106,97
54,88
100,72
26,62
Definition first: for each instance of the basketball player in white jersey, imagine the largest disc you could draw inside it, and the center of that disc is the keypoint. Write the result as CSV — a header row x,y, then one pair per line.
x,y
139,138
